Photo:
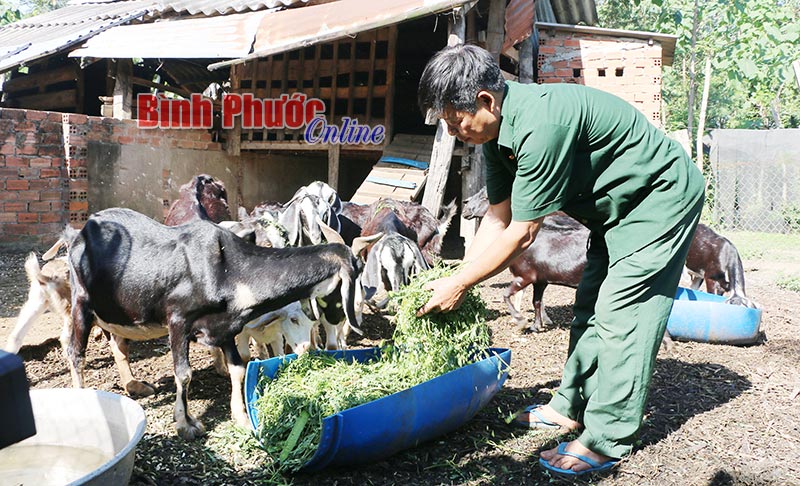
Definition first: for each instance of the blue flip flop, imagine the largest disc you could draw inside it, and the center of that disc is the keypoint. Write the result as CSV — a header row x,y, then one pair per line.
x,y
595,466
541,422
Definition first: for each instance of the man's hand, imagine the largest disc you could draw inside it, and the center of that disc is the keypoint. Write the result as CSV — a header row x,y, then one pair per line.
x,y
448,294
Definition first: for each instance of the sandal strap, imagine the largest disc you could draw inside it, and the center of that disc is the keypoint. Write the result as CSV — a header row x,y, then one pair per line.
x,y
562,449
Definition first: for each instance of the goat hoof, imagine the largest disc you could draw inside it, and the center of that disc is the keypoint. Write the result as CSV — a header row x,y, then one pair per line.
x,y
192,430
522,325
137,388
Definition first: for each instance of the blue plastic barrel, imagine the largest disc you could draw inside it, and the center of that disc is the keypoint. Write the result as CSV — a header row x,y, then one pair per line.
x,y
703,317
378,429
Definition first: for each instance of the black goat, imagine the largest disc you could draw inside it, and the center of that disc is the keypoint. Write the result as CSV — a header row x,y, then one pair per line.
x,y
196,282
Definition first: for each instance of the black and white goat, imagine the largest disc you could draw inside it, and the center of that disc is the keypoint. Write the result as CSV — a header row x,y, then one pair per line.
x,y
197,282
391,262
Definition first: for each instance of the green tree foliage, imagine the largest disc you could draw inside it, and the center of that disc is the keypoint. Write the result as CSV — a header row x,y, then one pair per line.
x,y
751,43
9,13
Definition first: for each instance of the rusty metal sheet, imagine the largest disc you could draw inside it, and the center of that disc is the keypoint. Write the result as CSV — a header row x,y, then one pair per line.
x,y
220,37
519,22
299,27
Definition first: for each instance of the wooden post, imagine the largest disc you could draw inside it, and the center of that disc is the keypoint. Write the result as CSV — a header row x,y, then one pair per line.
x,y
234,135
123,93
443,144
391,63
334,151
495,30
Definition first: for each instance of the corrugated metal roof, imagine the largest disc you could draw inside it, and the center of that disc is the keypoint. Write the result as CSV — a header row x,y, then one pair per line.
x,y
220,37
207,7
45,34
572,12
299,27
214,7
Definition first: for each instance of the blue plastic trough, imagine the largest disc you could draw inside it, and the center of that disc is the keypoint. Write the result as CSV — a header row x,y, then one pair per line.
x,y
703,317
378,429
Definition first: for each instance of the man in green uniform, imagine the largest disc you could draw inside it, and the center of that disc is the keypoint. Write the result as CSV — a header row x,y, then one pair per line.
x,y
592,155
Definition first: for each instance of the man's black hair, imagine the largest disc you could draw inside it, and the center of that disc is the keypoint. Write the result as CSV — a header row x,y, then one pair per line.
x,y
454,76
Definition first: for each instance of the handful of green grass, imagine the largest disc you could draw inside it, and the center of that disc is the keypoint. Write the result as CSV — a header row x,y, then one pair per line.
x,y
291,406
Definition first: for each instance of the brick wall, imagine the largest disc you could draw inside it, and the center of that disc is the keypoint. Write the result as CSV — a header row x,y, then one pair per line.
x,y
627,67
43,168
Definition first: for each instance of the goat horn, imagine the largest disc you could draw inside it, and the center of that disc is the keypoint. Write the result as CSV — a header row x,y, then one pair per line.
x,y
49,254
330,234
362,242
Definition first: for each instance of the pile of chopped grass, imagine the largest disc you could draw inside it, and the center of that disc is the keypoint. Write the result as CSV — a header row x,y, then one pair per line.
x,y
291,406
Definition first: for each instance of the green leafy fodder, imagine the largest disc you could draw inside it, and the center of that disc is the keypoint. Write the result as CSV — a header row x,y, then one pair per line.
x,y
291,406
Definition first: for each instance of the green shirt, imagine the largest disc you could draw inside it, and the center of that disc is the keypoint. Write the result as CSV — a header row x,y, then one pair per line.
x,y
594,156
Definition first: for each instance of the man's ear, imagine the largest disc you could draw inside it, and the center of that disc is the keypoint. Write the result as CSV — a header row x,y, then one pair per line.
x,y
489,100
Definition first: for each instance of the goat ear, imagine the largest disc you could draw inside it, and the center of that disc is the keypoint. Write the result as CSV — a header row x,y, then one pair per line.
x,y
242,214
420,264
289,218
330,234
362,242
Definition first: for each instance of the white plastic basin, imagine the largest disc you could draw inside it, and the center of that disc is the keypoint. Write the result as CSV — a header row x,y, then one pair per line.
x,y
83,437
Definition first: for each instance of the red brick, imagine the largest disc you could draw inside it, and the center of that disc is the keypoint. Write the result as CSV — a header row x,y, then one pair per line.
x,y
78,119
44,184
78,205
54,116
51,195
6,172
51,150
125,140
15,206
7,149
47,173
27,195
52,128
40,207
36,115
572,43
29,149
17,185
12,114
39,162
20,229
51,217
214,146
8,217
28,217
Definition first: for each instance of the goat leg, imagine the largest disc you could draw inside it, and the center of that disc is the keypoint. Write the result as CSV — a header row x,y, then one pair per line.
x,y
515,286
75,337
134,387
33,308
540,316
188,427
236,370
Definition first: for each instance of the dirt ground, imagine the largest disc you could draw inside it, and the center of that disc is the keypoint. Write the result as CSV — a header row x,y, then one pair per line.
x,y
717,415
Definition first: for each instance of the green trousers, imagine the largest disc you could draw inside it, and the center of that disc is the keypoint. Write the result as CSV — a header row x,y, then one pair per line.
x,y
621,312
